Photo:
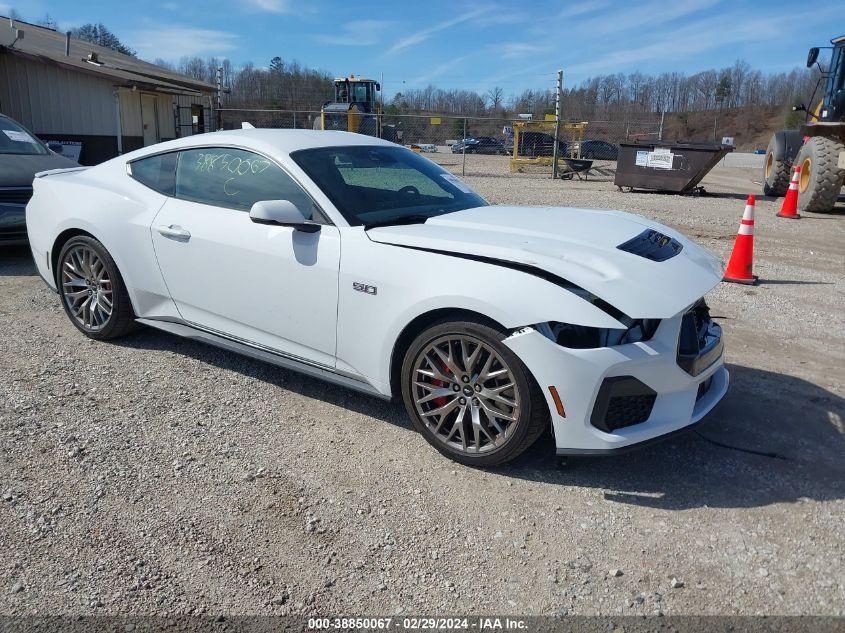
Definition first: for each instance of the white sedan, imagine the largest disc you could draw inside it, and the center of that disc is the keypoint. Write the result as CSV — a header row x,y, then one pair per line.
x,y
365,264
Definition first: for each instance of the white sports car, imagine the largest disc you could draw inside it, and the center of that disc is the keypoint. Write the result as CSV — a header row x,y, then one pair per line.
x,y
363,263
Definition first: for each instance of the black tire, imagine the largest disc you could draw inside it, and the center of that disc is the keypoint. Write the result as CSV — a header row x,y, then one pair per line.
x,y
821,179
776,173
122,318
533,417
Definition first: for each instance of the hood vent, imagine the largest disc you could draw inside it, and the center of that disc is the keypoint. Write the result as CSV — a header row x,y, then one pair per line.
x,y
652,245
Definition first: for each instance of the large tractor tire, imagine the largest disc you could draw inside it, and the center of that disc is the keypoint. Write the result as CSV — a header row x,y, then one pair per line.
x,y
776,173
821,178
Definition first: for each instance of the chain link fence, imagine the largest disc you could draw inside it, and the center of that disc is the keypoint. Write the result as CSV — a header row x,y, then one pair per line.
x,y
482,146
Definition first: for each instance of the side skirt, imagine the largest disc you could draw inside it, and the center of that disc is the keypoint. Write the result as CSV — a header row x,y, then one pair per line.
x,y
262,353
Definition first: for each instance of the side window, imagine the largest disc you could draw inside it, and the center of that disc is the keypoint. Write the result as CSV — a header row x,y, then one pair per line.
x,y
156,172
236,179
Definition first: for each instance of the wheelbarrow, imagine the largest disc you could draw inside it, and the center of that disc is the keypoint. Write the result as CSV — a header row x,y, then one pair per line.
x,y
576,167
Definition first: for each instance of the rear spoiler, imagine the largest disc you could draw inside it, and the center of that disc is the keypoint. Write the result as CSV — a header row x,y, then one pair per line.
x,y
66,170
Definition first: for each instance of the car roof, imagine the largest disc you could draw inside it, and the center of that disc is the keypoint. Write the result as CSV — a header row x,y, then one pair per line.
x,y
270,141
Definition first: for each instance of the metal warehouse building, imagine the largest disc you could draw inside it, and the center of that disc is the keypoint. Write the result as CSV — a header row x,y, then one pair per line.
x,y
99,102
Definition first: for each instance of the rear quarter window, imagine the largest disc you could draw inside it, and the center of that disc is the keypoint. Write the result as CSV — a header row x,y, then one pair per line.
x,y
156,172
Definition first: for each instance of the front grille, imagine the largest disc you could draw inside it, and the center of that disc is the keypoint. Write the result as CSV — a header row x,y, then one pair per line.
x,y
15,195
700,340
622,401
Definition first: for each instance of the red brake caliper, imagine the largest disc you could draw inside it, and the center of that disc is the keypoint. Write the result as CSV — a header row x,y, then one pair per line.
x,y
442,400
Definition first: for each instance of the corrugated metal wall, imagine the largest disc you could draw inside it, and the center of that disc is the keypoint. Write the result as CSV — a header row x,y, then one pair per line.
x,y
49,99
166,120
52,100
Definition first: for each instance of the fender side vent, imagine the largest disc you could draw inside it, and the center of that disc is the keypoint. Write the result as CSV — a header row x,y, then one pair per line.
x,y
652,245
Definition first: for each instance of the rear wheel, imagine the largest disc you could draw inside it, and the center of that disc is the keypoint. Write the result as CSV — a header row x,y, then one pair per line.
x,y
92,290
470,396
776,173
821,178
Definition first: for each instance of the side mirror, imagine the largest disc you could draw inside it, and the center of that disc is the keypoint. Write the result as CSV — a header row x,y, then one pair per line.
x,y
281,213
812,56
56,148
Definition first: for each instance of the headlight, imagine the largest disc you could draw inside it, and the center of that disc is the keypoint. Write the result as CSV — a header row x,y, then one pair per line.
x,y
584,337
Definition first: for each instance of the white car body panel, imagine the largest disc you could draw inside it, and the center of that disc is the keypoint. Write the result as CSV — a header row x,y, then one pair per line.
x,y
374,322
289,297
578,373
578,245
268,284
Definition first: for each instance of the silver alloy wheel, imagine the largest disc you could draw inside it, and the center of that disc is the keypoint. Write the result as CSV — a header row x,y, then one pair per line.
x,y
465,393
86,287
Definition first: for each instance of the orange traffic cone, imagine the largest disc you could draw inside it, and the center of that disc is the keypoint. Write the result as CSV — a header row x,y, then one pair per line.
x,y
742,256
789,209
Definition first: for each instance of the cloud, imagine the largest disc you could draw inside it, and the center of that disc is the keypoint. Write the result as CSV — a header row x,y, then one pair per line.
x,y
440,70
424,34
359,33
574,10
512,50
173,43
693,38
270,6
644,15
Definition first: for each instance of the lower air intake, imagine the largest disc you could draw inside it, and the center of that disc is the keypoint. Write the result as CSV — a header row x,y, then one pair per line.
x,y
622,401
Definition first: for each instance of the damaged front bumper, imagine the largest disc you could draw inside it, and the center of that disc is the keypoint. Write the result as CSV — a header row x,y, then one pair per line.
x,y
617,398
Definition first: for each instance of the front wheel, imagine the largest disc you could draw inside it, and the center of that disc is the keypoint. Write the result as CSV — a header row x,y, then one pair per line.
x,y
470,396
821,178
776,173
93,293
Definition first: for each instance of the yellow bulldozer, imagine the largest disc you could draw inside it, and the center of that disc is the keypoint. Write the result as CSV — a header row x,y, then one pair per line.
x,y
817,146
355,108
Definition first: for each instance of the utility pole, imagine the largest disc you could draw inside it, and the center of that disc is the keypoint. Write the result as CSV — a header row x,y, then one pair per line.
x,y
464,149
557,122
219,93
660,132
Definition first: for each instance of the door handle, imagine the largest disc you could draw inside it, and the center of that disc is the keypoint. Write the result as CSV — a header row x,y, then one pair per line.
x,y
174,232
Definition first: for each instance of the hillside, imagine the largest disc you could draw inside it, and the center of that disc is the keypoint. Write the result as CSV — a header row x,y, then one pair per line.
x,y
751,126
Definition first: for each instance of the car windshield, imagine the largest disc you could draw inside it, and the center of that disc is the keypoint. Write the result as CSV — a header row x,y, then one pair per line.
x,y
16,140
372,185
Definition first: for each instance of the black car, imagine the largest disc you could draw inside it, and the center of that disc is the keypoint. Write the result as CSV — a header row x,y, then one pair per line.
x,y
480,145
22,155
599,150
536,144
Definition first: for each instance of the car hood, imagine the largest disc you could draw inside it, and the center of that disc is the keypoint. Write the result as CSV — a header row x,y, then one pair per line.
x,y
578,245
18,170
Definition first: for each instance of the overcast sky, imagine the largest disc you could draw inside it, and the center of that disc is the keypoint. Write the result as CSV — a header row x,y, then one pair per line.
x,y
470,44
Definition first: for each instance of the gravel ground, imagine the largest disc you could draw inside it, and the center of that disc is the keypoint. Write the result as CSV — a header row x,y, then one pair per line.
x,y
158,475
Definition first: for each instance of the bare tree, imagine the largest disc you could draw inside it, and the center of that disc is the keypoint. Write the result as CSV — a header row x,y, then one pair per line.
x,y
494,96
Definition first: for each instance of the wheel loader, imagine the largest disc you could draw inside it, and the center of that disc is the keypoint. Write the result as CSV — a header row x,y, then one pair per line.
x,y
355,108
817,146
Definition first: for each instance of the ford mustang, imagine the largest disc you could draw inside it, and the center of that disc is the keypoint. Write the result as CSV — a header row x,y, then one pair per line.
x,y
363,263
